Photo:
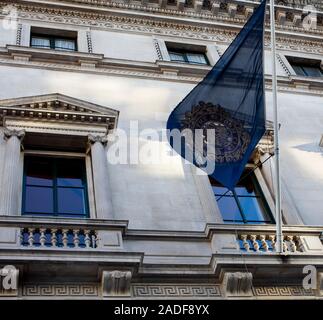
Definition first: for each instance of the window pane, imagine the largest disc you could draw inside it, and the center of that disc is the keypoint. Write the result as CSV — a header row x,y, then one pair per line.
x,y
174,56
70,173
252,209
219,191
64,44
299,70
198,58
39,172
40,42
229,209
313,71
39,200
71,201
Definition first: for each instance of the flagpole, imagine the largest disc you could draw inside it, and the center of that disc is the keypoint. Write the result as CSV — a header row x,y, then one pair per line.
x,y
279,232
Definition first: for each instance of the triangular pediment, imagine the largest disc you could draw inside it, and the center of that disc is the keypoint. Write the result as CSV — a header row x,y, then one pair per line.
x,y
60,107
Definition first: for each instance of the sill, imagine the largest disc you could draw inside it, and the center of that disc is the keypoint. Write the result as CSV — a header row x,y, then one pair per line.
x,y
183,68
28,53
26,221
309,80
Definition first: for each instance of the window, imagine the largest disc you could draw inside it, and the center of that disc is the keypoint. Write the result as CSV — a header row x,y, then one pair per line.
x,y
245,205
53,39
188,57
186,53
55,187
306,67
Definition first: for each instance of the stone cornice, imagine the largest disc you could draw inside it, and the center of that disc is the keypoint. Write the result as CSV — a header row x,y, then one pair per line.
x,y
98,17
160,70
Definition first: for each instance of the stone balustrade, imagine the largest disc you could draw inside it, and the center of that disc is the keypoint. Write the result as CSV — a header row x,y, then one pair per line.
x,y
267,242
43,237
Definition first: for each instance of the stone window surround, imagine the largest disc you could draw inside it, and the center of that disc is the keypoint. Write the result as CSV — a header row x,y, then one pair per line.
x,y
289,69
18,122
83,38
211,51
61,154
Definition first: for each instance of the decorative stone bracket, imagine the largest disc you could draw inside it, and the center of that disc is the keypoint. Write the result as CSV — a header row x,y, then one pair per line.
x,y
116,283
237,284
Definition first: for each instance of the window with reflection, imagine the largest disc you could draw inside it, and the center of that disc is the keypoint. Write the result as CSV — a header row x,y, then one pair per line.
x,y
245,204
53,42
55,187
188,57
306,67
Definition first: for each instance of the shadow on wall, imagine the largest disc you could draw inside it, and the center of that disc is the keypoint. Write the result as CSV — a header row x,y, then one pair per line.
x,y
310,147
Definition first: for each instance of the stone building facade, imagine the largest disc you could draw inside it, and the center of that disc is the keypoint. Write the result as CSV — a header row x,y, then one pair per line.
x,y
73,72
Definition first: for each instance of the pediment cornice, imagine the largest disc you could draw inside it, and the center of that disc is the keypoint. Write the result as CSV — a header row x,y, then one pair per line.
x,y
58,108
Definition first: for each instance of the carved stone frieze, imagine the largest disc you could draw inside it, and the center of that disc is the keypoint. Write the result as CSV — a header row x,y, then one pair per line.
x,y
209,32
60,290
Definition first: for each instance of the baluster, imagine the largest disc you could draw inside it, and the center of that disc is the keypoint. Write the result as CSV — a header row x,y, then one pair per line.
x,y
31,239
264,243
65,238
87,238
292,243
53,238
76,239
300,244
42,238
272,239
285,248
245,242
255,244
21,237
96,239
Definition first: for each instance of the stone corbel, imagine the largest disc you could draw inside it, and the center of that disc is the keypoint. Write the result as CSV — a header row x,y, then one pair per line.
x,y
180,4
232,10
281,17
116,283
215,7
237,284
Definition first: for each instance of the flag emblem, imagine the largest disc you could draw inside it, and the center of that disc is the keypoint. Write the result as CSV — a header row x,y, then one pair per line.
x,y
230,140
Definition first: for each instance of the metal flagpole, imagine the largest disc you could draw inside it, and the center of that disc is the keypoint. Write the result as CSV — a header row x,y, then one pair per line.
x,y
279,232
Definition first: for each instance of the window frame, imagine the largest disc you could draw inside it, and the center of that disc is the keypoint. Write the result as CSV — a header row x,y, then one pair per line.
x,y
88,189
184,53
302,62
52,39
267,207
305,73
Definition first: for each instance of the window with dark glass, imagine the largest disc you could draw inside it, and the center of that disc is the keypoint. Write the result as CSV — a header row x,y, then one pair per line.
x,y
188,57
55,187
53,39
246,204
187,53
306,67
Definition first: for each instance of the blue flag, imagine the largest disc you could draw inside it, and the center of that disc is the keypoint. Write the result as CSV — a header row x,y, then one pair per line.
x,y
223,118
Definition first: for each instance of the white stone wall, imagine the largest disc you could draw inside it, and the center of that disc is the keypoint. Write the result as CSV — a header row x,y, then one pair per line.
x,y
165,196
